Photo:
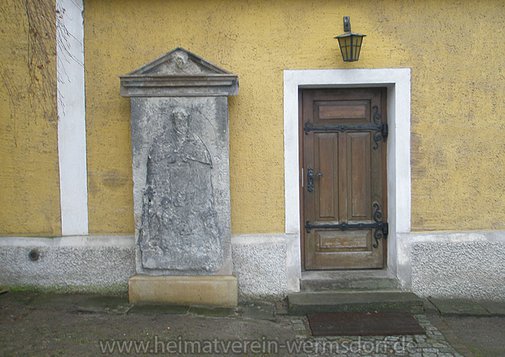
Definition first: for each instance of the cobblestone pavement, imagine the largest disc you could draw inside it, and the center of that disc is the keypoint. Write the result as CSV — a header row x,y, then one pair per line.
x,y
84,325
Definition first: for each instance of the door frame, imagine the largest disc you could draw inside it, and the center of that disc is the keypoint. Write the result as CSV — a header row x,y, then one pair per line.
x,y
398,84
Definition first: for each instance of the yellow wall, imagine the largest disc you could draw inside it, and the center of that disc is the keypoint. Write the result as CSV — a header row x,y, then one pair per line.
x,y
29,191
455,48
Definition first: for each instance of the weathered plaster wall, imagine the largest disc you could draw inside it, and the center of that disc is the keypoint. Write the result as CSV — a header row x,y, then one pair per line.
x,y
261,266
29,192
458,85
453,264
76,263
105,263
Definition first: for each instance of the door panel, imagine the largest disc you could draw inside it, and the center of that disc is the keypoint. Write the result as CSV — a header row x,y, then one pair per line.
x,y
343,158
359,176
327,147
333,241
342,110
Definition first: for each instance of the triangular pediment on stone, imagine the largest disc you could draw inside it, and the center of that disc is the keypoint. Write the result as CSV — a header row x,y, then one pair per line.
x,y
179,62
179,73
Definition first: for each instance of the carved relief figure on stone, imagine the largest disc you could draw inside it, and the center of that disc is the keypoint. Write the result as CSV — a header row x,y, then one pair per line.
x,y
179,223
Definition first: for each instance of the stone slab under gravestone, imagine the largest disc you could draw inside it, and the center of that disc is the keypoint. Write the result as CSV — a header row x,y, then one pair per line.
x,y
179,122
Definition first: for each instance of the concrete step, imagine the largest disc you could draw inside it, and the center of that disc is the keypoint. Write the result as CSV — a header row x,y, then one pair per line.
x,y
354,300
355,280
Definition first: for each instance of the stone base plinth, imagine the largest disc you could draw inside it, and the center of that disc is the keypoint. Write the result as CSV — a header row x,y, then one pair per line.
x,y
214,290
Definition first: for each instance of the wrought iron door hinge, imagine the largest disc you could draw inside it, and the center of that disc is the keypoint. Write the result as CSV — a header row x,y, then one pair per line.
x,y
381,229
382,134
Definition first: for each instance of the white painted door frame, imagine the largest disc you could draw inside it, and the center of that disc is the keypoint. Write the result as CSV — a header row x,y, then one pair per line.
x,y
397,81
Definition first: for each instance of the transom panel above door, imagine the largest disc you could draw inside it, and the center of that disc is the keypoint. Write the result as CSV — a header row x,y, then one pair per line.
x,y
343,160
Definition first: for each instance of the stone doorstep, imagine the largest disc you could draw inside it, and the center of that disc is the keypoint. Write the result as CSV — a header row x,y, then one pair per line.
x,y
356,301
347,280
205,290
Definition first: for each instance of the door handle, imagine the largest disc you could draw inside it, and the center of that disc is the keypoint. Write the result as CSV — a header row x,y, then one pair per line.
x,y
310,180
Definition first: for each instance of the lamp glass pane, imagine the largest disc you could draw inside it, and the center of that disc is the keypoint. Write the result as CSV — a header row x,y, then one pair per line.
x,y
357,41
348,49
358,50
355,51
344,46
353,48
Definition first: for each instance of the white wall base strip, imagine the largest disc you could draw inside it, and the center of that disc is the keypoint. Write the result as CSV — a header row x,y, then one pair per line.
x,y
439,264
89,263
469,265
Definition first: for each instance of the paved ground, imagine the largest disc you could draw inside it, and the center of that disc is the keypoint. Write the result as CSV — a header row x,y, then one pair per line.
x,y
85,325
473,328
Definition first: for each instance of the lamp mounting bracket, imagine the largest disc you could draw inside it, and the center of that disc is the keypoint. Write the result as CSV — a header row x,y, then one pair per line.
x,y
347,24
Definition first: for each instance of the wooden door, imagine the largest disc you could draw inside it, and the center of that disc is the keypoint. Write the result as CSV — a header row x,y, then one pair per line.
x,y
343,136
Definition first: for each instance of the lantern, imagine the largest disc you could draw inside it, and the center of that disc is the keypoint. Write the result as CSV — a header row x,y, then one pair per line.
x,y
349,42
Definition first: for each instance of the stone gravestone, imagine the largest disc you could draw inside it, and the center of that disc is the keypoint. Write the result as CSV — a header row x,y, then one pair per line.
x,y
179,121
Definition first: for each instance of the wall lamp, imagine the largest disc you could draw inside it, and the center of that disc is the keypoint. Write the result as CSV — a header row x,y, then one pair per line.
x,y
349,42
